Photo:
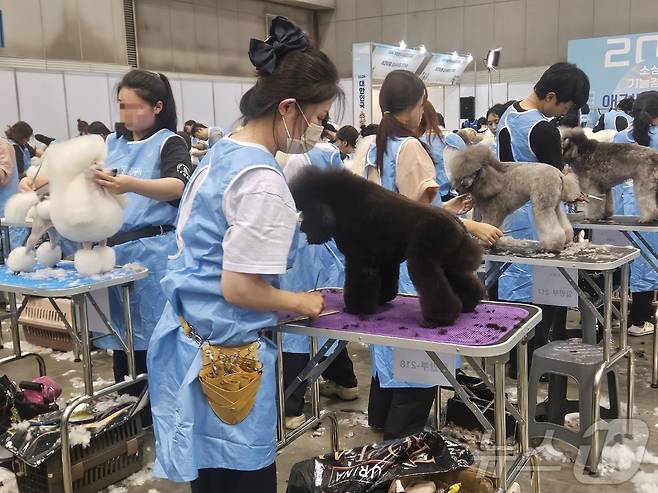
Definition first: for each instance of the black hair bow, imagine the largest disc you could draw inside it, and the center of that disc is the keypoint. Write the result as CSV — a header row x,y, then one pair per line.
x,y
283,38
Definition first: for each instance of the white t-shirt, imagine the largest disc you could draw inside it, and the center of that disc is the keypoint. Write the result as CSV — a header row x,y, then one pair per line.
x,y
262,219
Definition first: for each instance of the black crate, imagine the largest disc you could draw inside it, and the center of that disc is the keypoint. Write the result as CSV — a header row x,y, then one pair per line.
x,y
111,456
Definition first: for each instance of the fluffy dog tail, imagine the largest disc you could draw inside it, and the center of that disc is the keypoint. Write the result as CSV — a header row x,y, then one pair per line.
x,y
570,188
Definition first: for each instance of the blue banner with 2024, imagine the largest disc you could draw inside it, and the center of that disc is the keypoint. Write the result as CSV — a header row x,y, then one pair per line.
x,y
617,66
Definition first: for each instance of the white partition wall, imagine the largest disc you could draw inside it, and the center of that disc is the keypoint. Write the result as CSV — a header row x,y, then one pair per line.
x,y
87,99
484,100
112,86
198,102
42,102
451,101
519,90
435,95
227,103
9,100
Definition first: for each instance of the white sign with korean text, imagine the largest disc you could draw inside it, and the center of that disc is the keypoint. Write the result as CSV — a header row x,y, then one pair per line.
x,y
549,287
444,69
416,366
385,59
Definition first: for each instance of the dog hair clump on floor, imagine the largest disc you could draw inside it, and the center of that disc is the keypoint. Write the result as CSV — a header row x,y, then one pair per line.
x,y
600,166
498,189
377,230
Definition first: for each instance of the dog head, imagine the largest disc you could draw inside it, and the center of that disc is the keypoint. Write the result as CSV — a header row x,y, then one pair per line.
x,y
574,141
318,220
467,166
318,223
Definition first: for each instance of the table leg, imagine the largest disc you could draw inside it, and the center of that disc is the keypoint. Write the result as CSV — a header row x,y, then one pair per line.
x,y
500,427
80,313
280,388
15,333
315,386
127,322
623,315
654,364
607,315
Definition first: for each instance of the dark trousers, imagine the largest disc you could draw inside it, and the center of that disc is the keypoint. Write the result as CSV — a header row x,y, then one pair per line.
x,y
399,412
553,327
231,481
120,367
340,371
640,311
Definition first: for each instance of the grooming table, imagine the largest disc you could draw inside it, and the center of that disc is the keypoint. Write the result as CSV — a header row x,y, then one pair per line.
x,y
65,282
6,248
490,332
632,229
586,258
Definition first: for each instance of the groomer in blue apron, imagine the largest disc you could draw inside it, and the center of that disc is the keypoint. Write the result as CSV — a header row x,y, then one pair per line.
x,y
234,234
644,279
524,134
152,166
18,136
314,267
617,119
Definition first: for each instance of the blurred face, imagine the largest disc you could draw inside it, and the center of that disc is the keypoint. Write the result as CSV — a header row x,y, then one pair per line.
x,y
187,129
492,122
551,108
296,119
136,114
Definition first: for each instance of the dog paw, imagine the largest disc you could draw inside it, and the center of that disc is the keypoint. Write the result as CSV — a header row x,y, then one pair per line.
x,y
107,257
21,260
87,262
49,255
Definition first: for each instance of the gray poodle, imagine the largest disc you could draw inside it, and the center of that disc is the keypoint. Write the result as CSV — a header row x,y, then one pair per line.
x,y
498,189
600,166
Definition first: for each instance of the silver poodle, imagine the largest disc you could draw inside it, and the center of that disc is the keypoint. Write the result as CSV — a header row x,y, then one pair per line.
x,y
600,166
498,189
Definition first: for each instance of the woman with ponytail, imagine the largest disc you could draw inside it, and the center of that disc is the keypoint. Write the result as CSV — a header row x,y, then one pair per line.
x,y
402,163
644,279
150,164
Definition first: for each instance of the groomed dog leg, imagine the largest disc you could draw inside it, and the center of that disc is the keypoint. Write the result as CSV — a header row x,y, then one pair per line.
x,y
645,192
609,205
468,287
549,229
390,277
596,209
362,285
565,223
438,301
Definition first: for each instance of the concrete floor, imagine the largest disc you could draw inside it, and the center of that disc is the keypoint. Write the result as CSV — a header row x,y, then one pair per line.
x,y
558,474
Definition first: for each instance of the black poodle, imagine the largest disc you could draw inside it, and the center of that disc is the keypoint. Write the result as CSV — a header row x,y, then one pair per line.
x,y
377,230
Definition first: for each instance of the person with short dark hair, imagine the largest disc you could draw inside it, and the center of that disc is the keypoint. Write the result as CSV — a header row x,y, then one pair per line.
x,y
370,129
83,127
617,119
526,134
346,139
211,135
19,135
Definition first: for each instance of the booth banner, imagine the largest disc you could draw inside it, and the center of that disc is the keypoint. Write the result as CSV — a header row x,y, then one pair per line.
x,y
362,83
444,69
617,66
385,59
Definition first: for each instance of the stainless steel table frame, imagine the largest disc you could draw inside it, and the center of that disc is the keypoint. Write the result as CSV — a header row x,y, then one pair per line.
x,y
632,229
80,332
497,354
616,257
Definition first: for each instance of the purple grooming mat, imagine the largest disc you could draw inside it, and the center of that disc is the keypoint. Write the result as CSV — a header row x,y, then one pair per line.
x,y
490,323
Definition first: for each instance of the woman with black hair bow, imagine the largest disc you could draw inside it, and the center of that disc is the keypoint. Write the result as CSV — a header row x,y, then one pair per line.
x,y
214,412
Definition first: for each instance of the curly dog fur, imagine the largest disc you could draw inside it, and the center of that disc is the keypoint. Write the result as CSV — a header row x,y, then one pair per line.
x,y
498,189
602,165
376,230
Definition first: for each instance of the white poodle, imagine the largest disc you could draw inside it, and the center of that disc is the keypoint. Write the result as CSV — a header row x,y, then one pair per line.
x,y
78,209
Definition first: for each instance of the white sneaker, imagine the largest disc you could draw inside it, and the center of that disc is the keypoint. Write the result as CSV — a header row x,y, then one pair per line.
x,y
645,330
294,422
332,389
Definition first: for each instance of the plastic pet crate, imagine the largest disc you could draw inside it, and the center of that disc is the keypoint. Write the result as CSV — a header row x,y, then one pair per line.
x,y
111,456
42,325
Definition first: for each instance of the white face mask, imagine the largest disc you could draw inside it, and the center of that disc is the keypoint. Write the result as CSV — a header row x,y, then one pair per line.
x,y
311,136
